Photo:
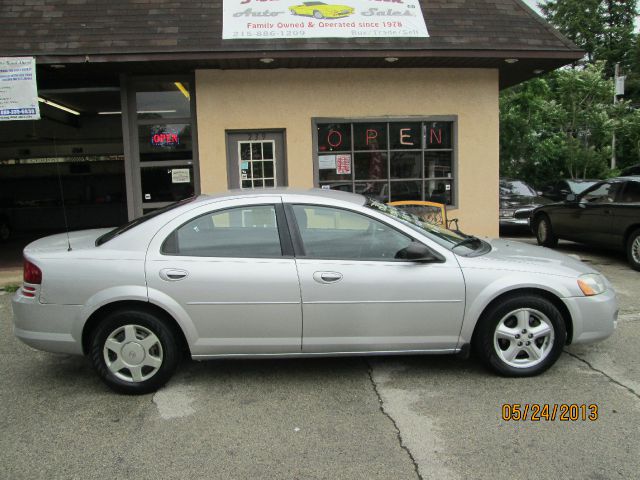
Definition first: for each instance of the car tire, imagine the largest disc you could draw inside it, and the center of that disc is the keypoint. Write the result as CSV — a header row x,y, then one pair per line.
x,y
521,336
544,232
633,249
318,15
134,351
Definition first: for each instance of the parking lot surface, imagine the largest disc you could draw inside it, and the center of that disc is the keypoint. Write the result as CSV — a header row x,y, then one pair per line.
x,y
435,417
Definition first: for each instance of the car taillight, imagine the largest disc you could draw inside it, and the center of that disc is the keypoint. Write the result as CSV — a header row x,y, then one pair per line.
x,y
32,274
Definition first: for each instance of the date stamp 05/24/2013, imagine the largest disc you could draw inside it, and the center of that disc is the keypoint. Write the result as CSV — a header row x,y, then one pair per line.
x,y
549,412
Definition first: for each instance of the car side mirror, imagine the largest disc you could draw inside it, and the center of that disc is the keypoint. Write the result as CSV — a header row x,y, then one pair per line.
x,y
571,198
418,252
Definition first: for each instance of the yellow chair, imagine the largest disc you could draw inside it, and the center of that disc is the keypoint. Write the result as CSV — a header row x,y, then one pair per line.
x,y
430,212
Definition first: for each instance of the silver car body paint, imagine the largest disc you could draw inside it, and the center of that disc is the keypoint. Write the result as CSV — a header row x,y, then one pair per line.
x,y
242,307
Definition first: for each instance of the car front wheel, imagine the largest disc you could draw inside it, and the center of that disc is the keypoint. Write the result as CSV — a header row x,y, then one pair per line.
x,y
521,336
544,232
134,351
633,249
318,15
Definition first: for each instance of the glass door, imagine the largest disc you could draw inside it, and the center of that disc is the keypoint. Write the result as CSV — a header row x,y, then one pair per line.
x,y
162,142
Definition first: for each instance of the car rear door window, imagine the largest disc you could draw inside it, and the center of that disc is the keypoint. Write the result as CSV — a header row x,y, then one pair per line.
x,y
333,233
249,232
631,192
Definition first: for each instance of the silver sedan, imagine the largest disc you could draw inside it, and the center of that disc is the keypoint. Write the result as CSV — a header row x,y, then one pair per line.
x,y
284,273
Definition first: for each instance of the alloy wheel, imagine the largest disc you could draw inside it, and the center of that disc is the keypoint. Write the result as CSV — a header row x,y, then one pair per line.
x,y
635,250
133,353
524,338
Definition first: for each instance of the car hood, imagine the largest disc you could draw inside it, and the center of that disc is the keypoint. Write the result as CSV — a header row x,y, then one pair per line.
x,y
515,256
79,240
515,201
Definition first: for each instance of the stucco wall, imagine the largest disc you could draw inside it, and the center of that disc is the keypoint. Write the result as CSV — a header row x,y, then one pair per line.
x,y
289,99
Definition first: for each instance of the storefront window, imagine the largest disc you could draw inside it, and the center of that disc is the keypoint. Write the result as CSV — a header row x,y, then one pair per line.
x,y
389,161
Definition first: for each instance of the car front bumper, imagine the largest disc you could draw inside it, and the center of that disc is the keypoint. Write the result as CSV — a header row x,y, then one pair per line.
x,y
514,222
594,318
46,327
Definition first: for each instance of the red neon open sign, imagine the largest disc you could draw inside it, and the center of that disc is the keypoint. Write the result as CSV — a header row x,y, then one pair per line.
x,y
165,139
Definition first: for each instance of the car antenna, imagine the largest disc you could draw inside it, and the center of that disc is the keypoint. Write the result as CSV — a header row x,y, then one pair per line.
x,y
64,208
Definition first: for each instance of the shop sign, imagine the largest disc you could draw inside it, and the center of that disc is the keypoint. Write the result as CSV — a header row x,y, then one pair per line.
x,y
343,164
18,89
274,19
165,138
180,175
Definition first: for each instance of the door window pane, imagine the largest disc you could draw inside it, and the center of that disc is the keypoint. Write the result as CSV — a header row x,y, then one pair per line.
x,y
341,234
162,184
257,164
163,99
165,141
245,232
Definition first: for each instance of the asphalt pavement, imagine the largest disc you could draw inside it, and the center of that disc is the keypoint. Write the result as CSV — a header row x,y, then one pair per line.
x,y
436,417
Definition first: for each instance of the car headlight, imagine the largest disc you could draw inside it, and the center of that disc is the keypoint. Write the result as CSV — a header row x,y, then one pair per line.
x,y
592,284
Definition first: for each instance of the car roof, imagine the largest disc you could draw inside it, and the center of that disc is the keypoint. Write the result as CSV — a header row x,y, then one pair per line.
x,y
312,193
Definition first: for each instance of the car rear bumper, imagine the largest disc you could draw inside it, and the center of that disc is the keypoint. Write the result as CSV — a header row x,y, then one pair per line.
x,y
594,318
46,327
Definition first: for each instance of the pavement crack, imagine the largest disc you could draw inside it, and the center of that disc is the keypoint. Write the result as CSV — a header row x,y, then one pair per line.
x,y
395,425
611,379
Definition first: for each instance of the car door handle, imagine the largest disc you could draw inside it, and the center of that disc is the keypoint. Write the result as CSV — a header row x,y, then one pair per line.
x,y
327,277
173,274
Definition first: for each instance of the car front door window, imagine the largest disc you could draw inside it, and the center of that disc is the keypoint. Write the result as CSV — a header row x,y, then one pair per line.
x,y
604,193
333,233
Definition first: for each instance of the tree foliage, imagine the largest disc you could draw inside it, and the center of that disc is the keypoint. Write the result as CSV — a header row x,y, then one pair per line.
x,y
561,125
602,28
558,126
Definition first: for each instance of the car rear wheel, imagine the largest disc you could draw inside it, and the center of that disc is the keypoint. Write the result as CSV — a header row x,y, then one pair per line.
x,y
317,14
633,249
134,351
521,337
544,232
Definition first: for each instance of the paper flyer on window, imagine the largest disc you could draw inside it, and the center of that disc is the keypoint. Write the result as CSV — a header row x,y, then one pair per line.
x,y
18,89
273,19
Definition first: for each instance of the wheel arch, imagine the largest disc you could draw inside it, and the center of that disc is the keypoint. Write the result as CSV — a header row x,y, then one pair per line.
x,y
627,233
94,320
547,295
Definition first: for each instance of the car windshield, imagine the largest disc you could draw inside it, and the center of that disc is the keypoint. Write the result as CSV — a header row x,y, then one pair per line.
x,y
447,238
516,187
137,221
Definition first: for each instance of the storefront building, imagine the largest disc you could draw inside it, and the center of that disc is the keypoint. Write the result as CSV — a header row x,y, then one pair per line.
x,y
144,105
